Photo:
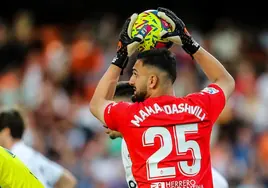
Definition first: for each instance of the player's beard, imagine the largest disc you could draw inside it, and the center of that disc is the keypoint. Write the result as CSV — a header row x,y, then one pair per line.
x,y
139,96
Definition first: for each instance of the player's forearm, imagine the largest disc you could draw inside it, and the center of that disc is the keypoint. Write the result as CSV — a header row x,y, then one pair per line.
x,y
213,69
105,88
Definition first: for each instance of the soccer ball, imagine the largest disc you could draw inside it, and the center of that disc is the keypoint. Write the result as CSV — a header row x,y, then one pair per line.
x,y
154,25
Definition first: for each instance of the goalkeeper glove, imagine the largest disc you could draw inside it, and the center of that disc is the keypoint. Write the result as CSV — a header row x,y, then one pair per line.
x,y
179,34
127,45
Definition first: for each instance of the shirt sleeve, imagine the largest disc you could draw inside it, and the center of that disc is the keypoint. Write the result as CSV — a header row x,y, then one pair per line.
x,y
115,115
51,171
211,99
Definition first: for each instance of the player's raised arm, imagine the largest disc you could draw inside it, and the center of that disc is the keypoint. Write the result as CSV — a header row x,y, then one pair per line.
x,y
213,69
106,86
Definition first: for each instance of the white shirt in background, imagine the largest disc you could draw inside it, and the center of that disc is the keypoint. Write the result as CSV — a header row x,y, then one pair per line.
x,y
47,171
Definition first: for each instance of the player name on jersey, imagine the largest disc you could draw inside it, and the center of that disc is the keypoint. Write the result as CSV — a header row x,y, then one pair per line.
x,y
168,109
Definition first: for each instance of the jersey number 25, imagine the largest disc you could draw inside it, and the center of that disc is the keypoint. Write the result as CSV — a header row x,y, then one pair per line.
x,y
181,145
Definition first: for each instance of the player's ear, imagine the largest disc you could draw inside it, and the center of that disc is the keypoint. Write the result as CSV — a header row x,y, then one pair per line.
x,y
153,80
6,131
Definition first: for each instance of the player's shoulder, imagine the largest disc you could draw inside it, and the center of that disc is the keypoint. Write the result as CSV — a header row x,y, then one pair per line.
x,y
24,152
2,150
126,106
5,153
11,178
211,89
28,154
43,161
40,159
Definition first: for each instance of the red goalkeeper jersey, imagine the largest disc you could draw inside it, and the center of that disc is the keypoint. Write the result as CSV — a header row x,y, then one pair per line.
x,y
168,137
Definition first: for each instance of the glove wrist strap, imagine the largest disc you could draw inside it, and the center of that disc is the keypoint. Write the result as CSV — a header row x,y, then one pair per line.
x,y
189,44
120,60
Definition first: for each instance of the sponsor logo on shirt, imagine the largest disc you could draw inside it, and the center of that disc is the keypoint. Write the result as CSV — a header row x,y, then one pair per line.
x,y
210,90
177,184
158,185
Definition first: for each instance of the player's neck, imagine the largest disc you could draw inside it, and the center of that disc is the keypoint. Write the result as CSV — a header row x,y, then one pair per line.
x,y
163,91
12,142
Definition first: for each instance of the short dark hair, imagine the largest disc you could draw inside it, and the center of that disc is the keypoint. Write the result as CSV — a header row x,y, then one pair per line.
x,y
123,89
161,58
13,120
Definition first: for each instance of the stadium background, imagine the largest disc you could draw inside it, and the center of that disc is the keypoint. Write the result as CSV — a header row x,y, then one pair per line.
x,y
53,52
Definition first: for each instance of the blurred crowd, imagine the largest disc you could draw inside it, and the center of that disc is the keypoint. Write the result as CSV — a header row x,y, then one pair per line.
x,y
50,71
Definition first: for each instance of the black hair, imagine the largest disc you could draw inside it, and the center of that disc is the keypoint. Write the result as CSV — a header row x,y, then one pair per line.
x,y
124,89
161,58
13,120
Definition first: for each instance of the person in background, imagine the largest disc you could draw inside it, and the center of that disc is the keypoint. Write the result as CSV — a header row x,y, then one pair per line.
x,y
48,172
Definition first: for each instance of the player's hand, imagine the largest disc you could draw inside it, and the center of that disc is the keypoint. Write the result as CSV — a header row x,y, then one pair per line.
x,y
127,45
179,34
113,134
